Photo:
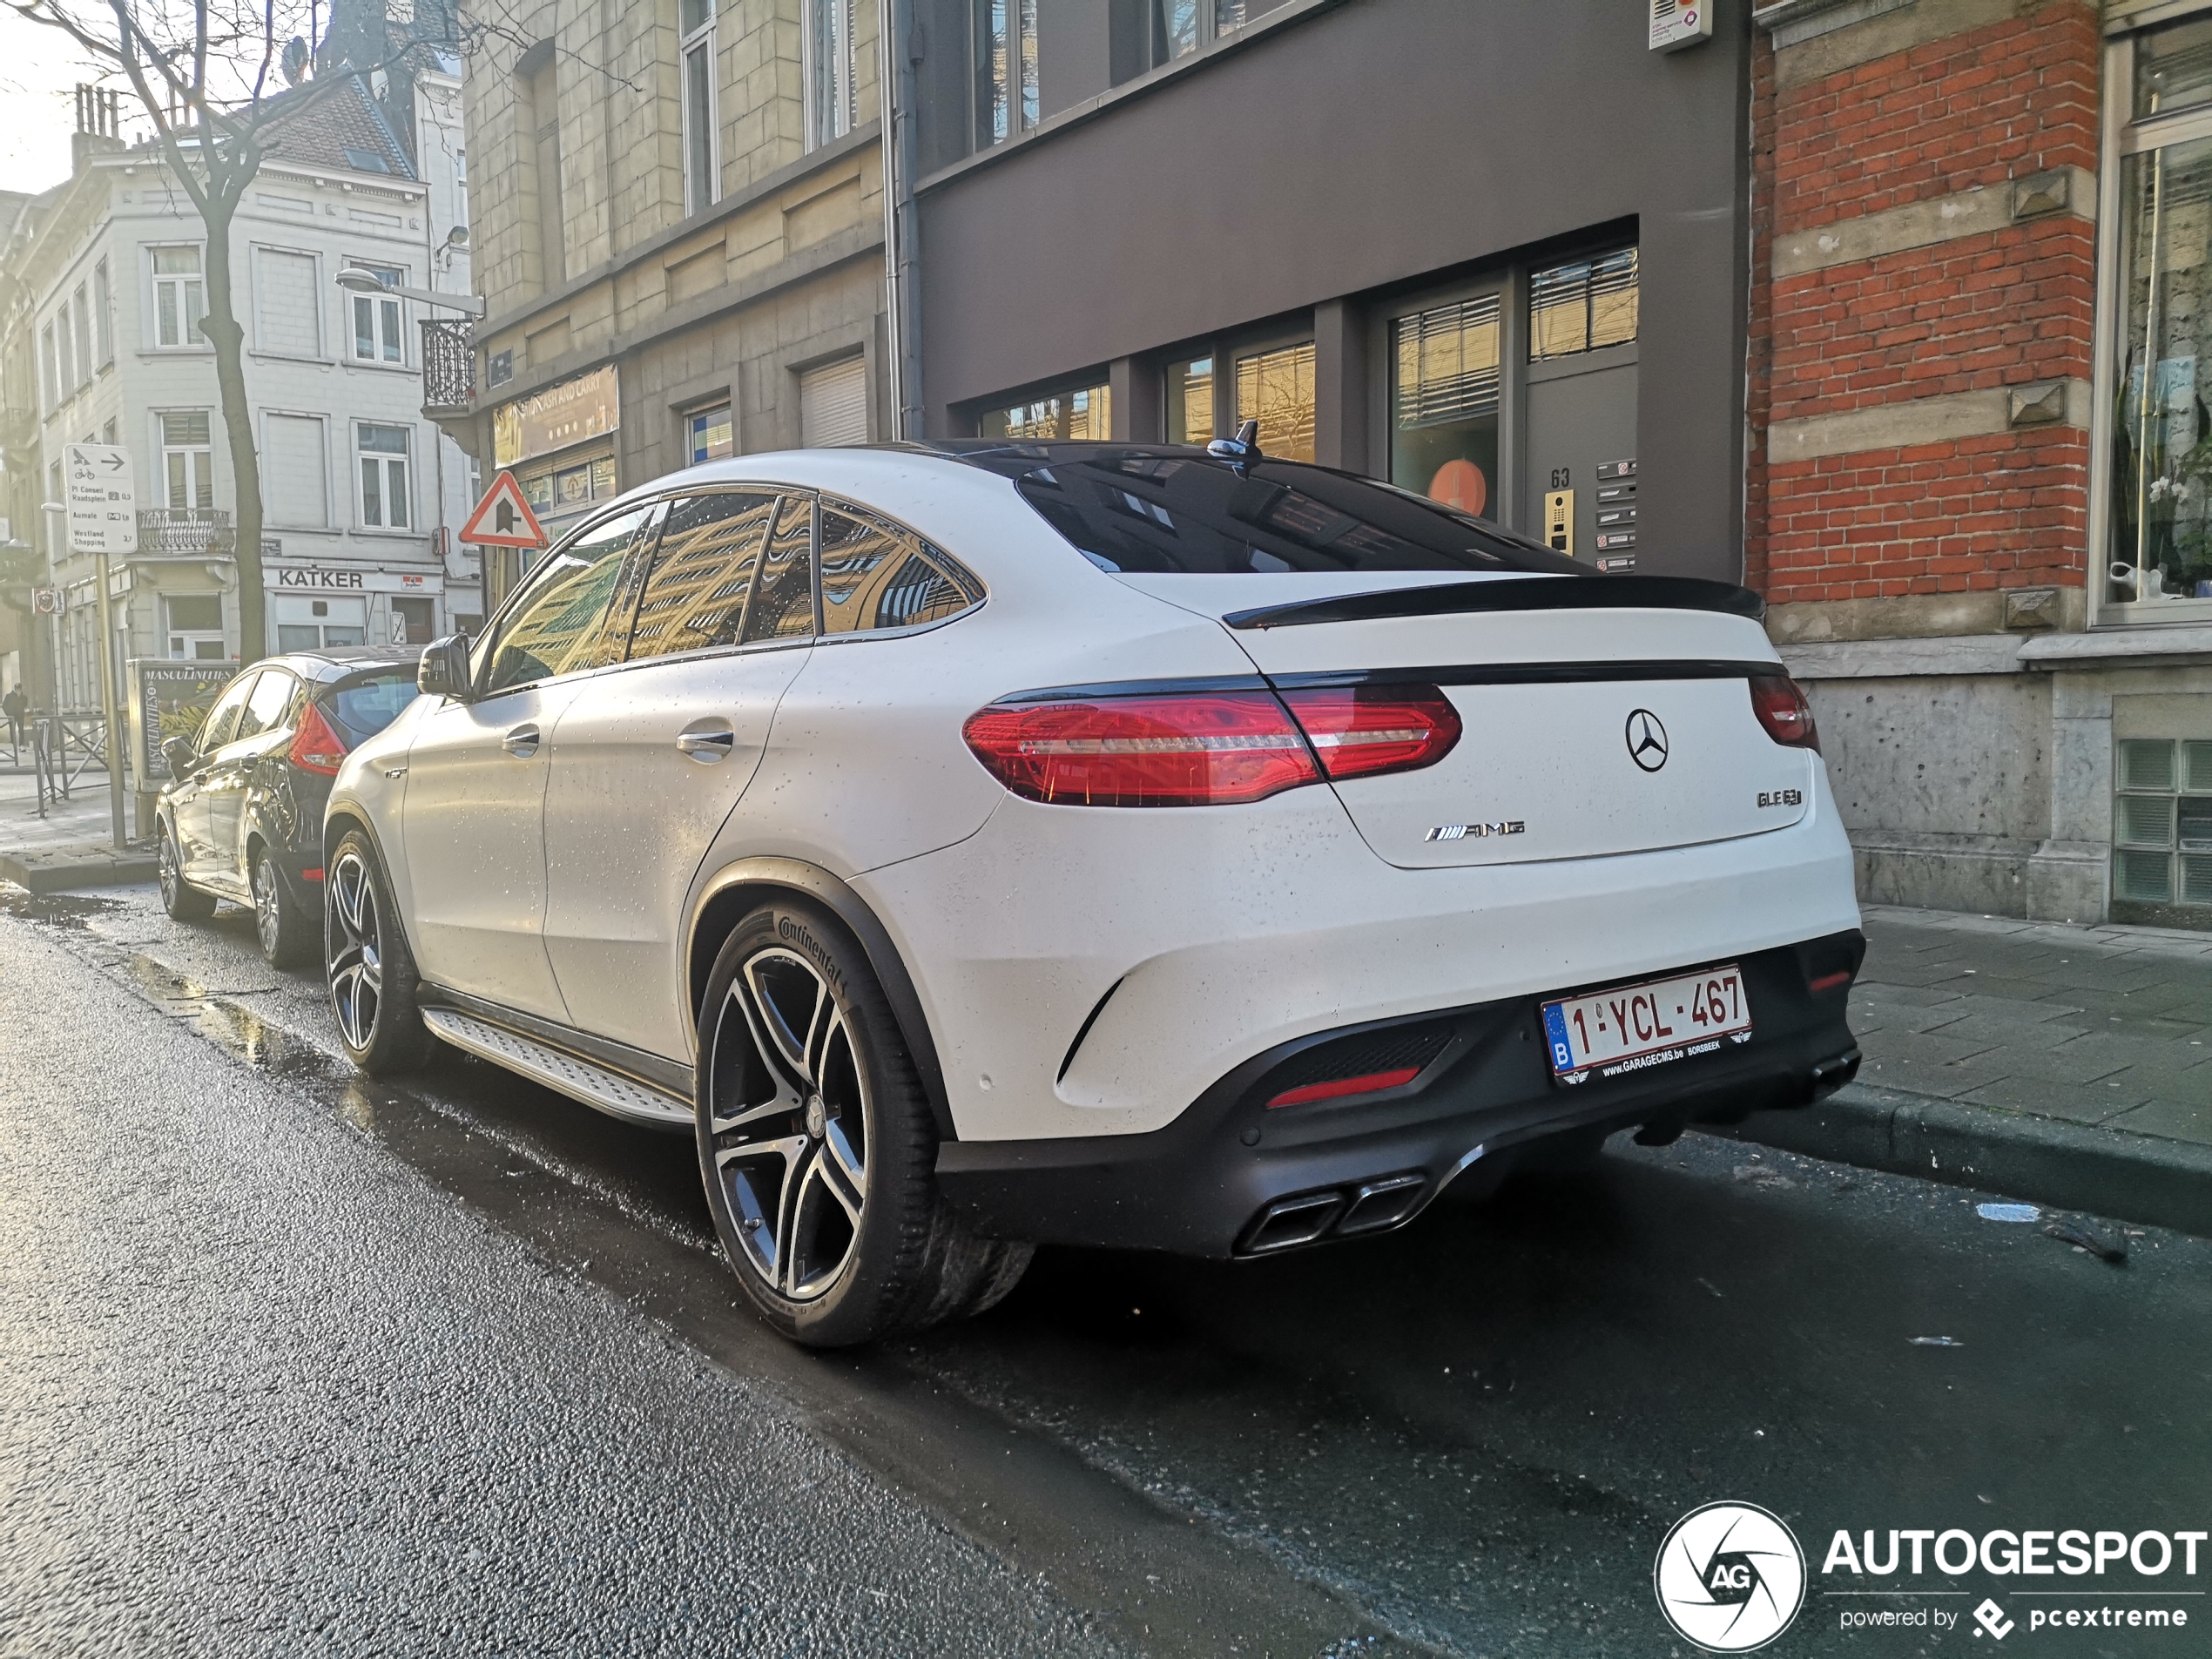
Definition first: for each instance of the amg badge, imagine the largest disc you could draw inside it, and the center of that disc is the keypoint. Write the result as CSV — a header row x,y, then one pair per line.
x,y
1472,831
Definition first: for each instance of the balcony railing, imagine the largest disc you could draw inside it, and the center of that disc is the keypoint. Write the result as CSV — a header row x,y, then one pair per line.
x,y
448,364
185,532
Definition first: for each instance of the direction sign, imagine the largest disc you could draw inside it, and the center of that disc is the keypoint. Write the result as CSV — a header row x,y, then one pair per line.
x,y
103,499
503,518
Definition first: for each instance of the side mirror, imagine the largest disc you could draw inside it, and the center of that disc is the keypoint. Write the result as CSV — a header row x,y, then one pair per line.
x,y
179,753
444,671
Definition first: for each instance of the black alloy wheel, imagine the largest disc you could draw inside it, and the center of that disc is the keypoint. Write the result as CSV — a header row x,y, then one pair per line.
x,y
817,1144
282,924
367,964
182,902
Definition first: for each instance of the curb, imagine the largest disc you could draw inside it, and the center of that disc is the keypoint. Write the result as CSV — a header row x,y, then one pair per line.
x,y
69,867
2072,1166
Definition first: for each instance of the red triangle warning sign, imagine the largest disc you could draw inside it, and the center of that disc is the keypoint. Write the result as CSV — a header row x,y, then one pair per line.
x,y
503,518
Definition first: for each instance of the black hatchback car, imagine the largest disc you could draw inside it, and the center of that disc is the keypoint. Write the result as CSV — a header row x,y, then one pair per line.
x,y
242,818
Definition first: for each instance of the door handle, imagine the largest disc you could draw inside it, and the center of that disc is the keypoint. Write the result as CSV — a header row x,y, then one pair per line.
x,y
708,746
522,742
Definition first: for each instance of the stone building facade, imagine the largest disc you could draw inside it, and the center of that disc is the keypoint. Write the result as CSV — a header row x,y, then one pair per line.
x,y
679,235
1977,444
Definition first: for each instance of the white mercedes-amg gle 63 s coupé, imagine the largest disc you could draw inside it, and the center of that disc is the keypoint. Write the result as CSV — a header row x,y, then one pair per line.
x,y
984,844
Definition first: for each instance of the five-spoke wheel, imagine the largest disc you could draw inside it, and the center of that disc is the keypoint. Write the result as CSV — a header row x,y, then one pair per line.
x,y
819,1146
184,903
281,922
366,962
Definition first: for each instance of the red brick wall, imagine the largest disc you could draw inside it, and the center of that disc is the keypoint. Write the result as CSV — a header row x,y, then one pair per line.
x,y
2005,308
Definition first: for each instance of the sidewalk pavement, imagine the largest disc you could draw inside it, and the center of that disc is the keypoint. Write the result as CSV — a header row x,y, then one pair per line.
x,y
2068,1065
2071,1066
73,845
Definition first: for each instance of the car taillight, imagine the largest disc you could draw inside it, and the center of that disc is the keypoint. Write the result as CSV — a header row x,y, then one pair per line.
x,y
1200,749
315,747
1780,703
1360,730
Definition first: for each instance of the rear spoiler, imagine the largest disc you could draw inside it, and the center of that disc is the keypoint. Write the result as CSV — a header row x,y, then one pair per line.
x,y
1526,593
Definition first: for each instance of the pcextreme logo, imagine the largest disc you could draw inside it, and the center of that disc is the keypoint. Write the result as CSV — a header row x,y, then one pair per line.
x,y
1730,1577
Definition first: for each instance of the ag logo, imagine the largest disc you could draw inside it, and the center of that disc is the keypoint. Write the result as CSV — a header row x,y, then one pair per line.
x,y
1647,739
1730,1577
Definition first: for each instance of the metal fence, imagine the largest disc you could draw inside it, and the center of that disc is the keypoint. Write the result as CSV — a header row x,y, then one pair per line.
x,y
449,363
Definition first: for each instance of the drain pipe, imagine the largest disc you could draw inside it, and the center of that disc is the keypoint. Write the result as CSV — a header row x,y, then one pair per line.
x,y
898,38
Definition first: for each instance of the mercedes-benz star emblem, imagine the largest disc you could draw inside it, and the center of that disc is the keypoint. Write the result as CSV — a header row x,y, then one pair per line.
x,y
1647,739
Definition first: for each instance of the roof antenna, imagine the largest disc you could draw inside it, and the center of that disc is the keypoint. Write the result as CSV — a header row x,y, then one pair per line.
x,y
1239,451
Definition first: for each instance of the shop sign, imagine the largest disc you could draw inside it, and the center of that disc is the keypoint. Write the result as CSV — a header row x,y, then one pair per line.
x,y
325,578
170,700
587,406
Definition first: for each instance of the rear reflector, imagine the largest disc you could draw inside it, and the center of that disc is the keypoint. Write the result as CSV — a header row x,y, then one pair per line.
x,y
311,875
1780,703
1829,982
1343,1086
315,747
1203,749
1360,730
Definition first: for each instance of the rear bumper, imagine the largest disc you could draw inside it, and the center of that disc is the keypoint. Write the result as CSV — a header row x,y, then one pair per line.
x,y
1231,1176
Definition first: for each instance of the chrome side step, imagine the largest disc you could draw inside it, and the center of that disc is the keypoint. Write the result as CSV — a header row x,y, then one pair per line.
x,y
595,1085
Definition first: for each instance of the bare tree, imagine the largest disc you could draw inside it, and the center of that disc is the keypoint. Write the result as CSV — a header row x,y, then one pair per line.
x,y
218,79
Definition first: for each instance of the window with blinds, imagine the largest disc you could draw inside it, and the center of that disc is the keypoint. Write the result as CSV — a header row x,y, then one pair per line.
x,y
1447,362
1085,413
1276,389
1584,306
833,404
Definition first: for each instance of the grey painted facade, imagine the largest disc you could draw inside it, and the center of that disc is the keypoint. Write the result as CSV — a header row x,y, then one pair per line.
x,y
1320,170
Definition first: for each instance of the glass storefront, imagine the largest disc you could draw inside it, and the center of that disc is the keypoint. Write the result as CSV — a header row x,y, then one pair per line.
x,y
1276,389
1444,404
1190,401
1084,412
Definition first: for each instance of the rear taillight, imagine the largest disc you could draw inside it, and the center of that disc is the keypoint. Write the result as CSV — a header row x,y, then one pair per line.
x,y
1360,730
315,746
1207,748
1780,703
1203,749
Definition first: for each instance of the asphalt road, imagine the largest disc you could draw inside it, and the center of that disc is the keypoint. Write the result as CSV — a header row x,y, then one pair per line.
x,y
295,1363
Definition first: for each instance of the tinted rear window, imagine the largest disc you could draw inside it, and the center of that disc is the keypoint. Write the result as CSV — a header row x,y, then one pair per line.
x,y
366,706
1196,515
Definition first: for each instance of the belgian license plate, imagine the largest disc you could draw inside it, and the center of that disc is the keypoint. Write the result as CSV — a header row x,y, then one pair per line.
x,y
1614,1033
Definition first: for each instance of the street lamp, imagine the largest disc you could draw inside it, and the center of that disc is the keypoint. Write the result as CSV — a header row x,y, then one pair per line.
x,y
356,278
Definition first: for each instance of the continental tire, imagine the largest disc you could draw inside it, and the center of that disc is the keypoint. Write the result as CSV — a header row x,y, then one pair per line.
x,y
817,1145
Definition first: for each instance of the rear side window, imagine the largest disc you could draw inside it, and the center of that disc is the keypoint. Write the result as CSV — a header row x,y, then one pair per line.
x,y
1188,515
875,576
708,560
783,606
366,706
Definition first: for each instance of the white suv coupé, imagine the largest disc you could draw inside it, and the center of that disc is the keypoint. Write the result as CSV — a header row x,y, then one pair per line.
x,y
981,844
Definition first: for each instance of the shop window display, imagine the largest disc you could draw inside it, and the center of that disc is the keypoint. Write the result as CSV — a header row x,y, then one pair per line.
x,y
1444,435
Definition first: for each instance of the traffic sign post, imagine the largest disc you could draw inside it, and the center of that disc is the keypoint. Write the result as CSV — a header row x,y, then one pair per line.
x,y
503,520
103,520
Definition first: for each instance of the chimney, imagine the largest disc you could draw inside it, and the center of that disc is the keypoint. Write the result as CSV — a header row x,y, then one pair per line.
x,y
98,126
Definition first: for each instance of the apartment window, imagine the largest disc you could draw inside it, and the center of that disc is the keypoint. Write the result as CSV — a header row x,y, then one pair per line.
x,y
80,317
67,342
1583,305
382,452
698,48
195,627
376,320
1176,28
2162,822
709,435
1444,402
103,315
1276,389
833,404
461,186
1079,412
1006,58
1190,391
831,70
179,301
49,378
188,461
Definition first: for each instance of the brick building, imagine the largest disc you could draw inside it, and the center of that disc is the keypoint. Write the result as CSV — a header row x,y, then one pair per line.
x,y
1979,438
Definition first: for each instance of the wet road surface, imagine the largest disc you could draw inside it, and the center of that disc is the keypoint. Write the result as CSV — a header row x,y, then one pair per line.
x,y
296,1361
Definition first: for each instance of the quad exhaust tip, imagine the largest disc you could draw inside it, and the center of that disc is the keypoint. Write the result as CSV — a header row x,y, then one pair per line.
x,y
1342,1211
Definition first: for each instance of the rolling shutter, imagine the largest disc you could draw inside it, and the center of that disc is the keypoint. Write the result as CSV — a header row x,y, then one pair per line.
x,y
295,471
833,404
285,286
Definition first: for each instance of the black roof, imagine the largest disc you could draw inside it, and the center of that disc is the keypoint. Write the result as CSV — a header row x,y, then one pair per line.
x,y
338,662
